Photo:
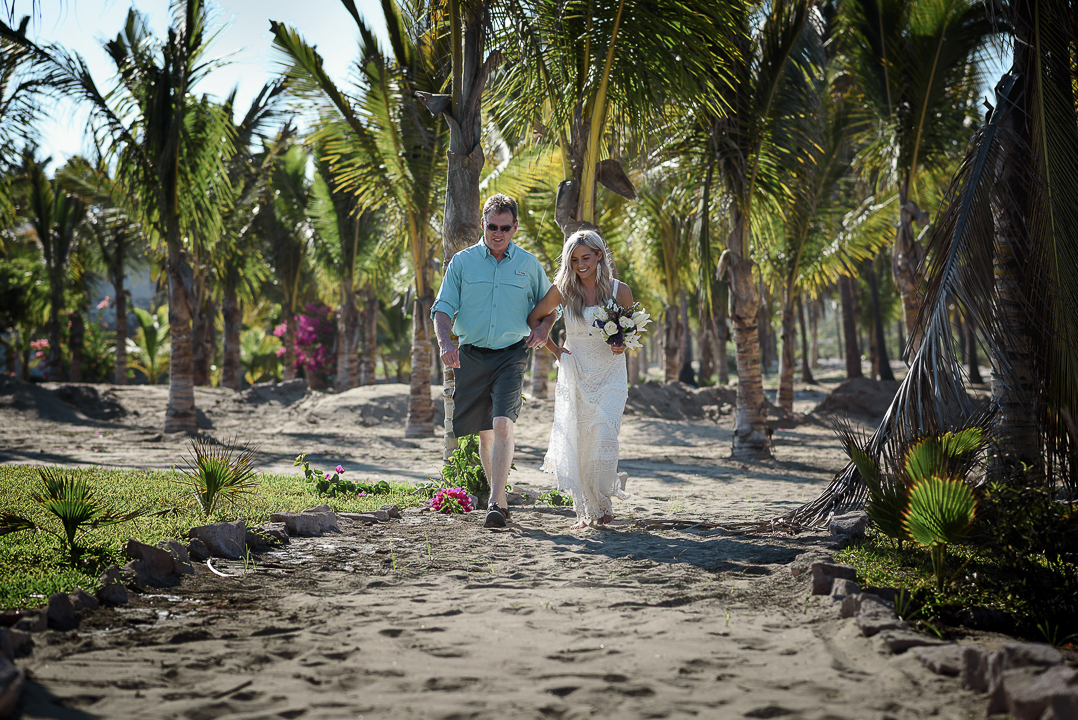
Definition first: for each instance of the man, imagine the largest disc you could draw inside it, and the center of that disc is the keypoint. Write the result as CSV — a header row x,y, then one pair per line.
x,y
486,295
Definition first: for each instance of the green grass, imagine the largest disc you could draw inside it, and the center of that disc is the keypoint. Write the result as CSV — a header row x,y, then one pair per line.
x,y
33,564
1040,596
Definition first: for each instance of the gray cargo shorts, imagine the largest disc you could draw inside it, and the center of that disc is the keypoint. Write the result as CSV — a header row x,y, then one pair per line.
x,y
489,384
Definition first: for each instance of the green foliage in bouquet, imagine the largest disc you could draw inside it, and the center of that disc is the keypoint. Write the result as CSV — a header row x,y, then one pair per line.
x,y
72,501
220,471
334,485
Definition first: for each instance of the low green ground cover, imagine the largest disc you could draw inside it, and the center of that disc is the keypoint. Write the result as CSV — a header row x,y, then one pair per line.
x,y
34,564
1039,596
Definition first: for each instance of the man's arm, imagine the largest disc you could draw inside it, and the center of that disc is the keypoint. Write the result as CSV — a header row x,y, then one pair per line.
x,y
541,332
443,330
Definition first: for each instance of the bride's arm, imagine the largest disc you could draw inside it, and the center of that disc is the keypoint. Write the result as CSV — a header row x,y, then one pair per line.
x,y
544,307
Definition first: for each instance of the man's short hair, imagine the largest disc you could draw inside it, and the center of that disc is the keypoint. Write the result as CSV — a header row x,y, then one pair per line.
x,y
498,204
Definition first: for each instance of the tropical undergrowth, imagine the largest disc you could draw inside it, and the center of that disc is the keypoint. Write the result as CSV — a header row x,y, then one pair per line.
x,y
1035,598
958,542
37,563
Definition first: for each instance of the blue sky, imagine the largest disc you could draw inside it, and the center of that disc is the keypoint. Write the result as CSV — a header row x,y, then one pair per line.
x,y
82,25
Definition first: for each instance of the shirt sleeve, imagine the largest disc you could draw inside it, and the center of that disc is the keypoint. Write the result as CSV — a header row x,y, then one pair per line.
x,y
542,284
448,300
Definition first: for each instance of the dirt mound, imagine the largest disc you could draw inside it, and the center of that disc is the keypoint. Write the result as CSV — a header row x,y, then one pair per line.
x,y
91,403
27,401
283,393
678,401
863,397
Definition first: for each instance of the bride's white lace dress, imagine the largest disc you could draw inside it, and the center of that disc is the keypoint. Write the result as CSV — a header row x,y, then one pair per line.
x,y
588,403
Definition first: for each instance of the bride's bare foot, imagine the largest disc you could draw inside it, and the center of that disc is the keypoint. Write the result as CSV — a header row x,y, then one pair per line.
x,y
578,525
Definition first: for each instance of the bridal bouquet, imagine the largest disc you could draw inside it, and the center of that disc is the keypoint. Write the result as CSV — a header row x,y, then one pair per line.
x,y
622,326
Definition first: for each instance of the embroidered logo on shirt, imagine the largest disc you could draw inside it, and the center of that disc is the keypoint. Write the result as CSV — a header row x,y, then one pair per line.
x,y
521,272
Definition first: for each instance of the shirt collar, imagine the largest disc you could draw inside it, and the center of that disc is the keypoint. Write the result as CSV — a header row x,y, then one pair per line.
x,y
509,251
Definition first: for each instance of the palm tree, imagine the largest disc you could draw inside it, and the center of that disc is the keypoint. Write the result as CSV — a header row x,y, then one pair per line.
x,y
18,89
238,265
742,141
389,152
345,249
167,146
584,74
917,77
666,234
113,225
284,225
1003,251
56,217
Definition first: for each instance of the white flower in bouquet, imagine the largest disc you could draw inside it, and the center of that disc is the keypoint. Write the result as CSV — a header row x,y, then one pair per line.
x,y
610,327
641,319
626,322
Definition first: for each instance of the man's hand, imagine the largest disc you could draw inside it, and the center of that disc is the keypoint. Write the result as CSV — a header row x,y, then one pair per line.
x,y
541,332
451,357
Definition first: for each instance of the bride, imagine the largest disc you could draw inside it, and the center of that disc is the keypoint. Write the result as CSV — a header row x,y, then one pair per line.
x,y
592,384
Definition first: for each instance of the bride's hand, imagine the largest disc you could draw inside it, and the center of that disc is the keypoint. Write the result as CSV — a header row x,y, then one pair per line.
x,y
617,349
559,352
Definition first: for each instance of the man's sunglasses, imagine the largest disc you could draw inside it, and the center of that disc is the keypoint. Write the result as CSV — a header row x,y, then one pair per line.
x,y
494,228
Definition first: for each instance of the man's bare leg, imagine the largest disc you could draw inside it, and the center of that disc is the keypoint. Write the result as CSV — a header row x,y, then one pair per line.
x,y
496,448
486,450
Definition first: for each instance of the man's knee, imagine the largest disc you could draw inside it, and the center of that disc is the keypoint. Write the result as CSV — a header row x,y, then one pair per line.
x,y
503,426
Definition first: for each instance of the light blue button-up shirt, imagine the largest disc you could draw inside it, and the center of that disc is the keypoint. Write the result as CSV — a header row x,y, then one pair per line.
x,y
490,300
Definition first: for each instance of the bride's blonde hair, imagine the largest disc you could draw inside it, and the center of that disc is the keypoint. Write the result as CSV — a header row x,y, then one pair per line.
x,y
572,290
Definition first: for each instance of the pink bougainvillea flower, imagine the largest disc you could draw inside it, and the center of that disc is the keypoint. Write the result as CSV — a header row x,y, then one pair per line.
x,y
362,494
339,469
327,476
104,303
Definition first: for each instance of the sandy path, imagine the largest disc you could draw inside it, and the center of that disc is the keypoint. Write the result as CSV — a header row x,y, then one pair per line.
x,y
434,617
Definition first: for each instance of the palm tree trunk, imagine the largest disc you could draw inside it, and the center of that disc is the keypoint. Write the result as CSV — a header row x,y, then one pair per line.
x,y
814,333
200,361
849,328
55,373
420,421
751,433
882,360
541,364
788,357
347,324
806,370
180,416
369,328
75,340
671,342
908,255
289,372
706,342
121,329
231,367
685,371
723,337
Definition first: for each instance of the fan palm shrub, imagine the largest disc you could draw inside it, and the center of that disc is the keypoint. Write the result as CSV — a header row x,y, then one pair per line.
x,y
220,472
73,502
923,491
